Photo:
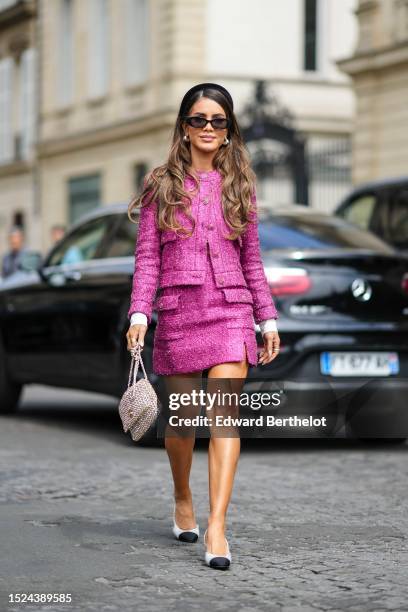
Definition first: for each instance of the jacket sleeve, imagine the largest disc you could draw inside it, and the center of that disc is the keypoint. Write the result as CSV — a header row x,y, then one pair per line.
x,y
253,270
147,263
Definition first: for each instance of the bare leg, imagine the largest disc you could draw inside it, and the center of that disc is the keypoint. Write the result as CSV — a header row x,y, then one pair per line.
x,y
180,452
223,455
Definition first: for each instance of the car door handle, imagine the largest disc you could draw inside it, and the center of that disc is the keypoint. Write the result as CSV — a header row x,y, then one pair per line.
x,y
59,278
74,275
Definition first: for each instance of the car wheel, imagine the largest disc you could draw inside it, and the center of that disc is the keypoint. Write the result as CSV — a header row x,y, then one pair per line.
x,y
10,390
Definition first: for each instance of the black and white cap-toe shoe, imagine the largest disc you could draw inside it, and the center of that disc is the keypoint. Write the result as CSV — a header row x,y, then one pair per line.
x,y
185,535
217,561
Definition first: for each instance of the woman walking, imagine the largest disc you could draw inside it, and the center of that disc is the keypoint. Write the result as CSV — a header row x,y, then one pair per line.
x,y
198,243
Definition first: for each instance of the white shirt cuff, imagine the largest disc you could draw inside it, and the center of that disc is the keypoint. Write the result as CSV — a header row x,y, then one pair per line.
x,y
268,325
138,318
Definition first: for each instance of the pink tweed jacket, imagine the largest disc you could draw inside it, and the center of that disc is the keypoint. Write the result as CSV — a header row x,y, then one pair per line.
x,y
164,258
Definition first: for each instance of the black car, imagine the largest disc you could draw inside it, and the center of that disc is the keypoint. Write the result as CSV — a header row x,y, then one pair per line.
x,y
382,208
341,293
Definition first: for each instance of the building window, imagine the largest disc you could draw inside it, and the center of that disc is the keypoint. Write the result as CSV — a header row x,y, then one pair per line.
x,y
140,172
310,35
84,194
28,102
98,47
66,52
137,30
6,114
5,4
400,16
18,219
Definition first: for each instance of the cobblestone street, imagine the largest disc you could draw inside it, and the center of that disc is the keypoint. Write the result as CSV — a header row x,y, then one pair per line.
x,y
313,525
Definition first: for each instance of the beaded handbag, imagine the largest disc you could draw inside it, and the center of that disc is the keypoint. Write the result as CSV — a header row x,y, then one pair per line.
x,y
138,407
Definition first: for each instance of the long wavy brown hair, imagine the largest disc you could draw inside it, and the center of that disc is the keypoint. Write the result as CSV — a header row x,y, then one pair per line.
x,y
165,184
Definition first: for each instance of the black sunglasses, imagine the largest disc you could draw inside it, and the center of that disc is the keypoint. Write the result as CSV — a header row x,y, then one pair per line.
x,y
219,123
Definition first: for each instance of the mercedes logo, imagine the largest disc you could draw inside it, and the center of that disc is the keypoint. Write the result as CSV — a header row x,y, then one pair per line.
x,y
361,289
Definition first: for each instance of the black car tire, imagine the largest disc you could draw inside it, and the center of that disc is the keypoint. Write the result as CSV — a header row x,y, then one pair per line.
x,y
10,390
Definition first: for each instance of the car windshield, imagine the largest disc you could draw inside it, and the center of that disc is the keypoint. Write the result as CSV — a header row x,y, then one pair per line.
x,y
315,232
84,243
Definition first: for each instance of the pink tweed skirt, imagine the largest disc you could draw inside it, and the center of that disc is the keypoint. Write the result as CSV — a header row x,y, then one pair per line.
x,y
199,326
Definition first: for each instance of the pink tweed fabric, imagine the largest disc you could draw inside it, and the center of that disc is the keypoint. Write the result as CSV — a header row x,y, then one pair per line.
x,y
211,289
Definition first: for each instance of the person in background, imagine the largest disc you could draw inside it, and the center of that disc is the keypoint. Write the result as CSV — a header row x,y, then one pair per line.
x,y
73,253
57,232
11,260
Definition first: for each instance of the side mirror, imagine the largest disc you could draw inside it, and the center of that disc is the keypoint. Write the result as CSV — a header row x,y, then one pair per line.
x,y
31,260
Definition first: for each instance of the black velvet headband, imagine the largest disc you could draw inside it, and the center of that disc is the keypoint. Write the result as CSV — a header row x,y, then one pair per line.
x,y
205,86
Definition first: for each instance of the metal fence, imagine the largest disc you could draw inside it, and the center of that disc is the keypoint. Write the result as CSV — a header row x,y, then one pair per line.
x,y
328,168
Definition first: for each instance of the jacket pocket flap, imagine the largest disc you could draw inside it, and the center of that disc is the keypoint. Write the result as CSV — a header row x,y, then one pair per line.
x,y
166,302
167,235
169,334
238,294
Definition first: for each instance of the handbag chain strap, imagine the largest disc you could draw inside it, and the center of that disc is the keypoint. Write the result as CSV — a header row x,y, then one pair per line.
x,y
136,358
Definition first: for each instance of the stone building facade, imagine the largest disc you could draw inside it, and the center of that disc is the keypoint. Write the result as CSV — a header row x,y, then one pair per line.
x,y
110,74
19,197
379,69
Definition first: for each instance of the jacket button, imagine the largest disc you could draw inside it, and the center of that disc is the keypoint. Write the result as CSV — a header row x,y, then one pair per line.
x,y
205,200
221,281
210,227
215,254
